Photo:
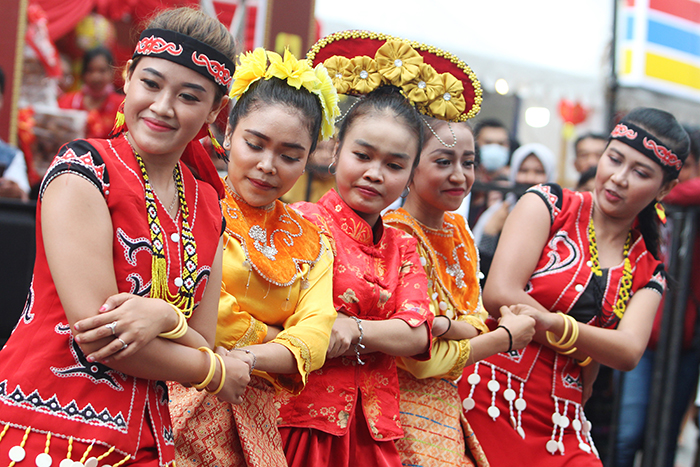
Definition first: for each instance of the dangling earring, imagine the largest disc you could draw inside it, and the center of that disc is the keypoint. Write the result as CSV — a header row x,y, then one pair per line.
x,y
660,211
405,192
332,167
119,122
220,153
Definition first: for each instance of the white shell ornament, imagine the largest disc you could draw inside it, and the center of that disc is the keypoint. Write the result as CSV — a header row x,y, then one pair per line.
x,y
468,404
17,454
43,460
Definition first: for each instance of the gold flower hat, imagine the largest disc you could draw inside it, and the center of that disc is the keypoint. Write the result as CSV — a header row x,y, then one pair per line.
x,y
438,83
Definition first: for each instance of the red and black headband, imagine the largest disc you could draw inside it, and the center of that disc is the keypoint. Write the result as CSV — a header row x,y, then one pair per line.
x,y
188,52
646,143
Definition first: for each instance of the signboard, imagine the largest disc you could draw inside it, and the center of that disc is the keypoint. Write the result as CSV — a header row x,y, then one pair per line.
x,y
659,46
273,24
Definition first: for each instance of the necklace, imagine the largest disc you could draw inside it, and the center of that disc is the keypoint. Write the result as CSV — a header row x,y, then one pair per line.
x,y
172,203
626,280
184,299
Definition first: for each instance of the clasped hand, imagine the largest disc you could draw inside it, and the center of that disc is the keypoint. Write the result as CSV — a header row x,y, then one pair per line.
x,y
520,322
129,320
345,332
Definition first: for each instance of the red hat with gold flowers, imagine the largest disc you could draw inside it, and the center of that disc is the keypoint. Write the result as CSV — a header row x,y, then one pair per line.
x,y
438,83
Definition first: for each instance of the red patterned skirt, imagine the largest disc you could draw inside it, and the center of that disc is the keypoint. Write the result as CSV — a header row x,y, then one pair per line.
x,y
520,423
308,447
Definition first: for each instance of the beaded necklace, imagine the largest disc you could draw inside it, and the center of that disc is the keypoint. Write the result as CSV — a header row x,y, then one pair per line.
x,y
626,280
184,299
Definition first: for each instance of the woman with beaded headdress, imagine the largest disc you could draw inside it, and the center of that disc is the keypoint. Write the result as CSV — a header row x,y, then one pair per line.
x,y
275,311
590,272
434,431
81,378
348,414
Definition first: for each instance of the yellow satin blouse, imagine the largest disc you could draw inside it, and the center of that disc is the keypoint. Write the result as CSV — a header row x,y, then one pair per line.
x,y
277,270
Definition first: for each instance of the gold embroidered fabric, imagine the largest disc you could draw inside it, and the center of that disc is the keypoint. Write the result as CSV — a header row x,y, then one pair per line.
x,y
277,240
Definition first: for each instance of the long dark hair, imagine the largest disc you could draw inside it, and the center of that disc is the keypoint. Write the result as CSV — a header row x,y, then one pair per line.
x,y
386,98
277,91
666,128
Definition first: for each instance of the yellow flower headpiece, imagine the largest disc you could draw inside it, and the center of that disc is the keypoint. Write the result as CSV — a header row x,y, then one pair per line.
x,y
262,64
437,83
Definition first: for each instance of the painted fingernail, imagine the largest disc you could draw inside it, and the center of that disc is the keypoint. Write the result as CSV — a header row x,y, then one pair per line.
x,y
90,358
77,327
77,339
103,308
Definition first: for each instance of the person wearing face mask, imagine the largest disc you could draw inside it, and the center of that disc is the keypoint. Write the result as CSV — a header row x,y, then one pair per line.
x,y
493,144
531,164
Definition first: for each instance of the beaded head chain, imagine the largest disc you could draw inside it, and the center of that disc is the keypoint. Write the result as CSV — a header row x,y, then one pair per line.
x,y
262,64
646,143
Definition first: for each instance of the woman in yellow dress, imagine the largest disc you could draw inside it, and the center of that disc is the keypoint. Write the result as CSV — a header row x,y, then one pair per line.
x,y
275,309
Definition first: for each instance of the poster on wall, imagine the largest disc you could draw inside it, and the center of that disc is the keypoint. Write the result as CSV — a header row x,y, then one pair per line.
x,y
659,46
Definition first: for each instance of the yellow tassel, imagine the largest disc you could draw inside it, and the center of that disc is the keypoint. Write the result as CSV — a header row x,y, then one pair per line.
x,y
661,212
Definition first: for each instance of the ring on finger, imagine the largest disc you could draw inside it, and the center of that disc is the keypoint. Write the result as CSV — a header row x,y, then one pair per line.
x,y
112,327
124,344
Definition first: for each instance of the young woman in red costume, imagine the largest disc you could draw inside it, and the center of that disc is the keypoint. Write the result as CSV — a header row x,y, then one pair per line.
x,y
97,96
348,414
590,271
275,309
128,267
434,430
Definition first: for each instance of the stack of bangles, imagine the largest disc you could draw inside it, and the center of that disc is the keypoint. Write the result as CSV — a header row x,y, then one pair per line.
x,y
179,330
564,346
213,357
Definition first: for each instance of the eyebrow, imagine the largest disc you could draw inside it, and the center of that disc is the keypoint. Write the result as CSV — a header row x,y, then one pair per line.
x,y
451,152
186,85
400,155
643,164
284,144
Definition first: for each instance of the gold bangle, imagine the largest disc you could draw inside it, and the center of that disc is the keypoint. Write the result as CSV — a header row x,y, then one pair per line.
x,y
551,336
212,369
569,351
574,333
180,329
585,362
223,376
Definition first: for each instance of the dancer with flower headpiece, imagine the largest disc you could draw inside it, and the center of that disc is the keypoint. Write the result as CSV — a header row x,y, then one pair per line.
x,y
81,378
275,311
592,280
434,431
348,414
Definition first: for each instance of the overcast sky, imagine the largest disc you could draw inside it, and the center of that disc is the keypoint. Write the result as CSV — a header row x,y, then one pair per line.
x,y
567,35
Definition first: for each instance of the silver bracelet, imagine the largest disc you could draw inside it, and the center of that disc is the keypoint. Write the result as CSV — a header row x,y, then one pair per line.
x,y
255,359
359,344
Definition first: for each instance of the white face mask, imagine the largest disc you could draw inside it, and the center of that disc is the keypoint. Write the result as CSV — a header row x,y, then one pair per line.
x,y
493,156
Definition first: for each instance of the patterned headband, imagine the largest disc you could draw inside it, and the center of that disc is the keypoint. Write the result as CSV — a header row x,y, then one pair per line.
x,y
646,143
188,52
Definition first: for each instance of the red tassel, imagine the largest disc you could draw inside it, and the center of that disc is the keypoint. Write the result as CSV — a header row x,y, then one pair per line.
x,y
119,122
220,152
661,212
